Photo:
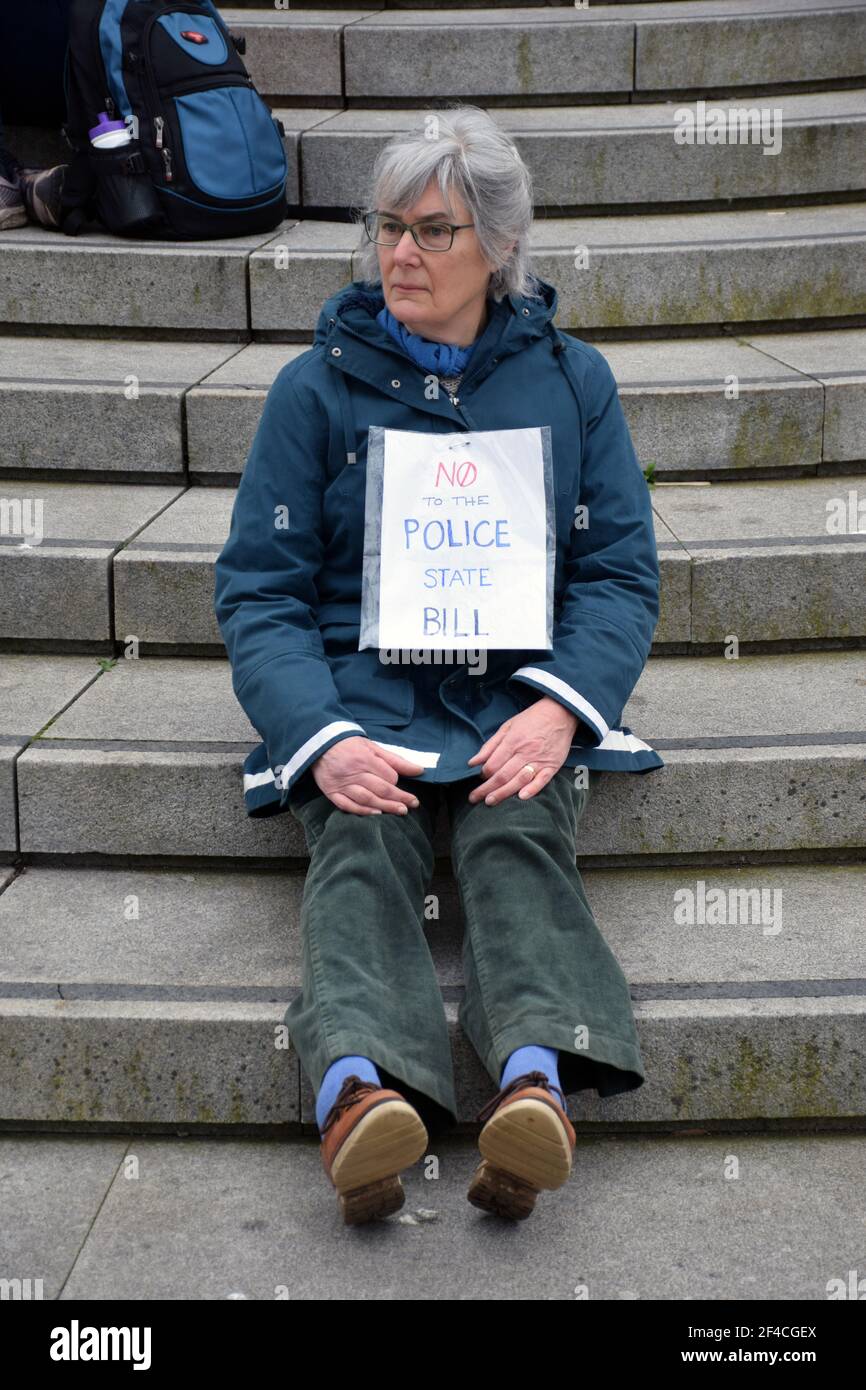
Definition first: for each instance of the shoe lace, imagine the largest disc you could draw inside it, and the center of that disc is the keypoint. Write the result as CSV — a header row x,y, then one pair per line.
x,y
351,1093
530,1078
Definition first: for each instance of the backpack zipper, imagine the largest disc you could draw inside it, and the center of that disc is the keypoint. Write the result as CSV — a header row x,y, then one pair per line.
x,y
204,84
154,98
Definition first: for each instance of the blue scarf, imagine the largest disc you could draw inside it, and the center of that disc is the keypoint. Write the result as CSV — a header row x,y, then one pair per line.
x,y
445,359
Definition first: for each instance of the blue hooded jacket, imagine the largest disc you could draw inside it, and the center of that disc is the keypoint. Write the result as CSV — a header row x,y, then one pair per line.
x,y
288,597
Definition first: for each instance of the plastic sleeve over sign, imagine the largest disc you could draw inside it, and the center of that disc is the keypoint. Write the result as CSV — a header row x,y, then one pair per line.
x,y
372,563
370,579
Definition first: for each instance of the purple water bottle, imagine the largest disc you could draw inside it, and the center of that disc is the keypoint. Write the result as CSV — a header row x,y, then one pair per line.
x,y
108,135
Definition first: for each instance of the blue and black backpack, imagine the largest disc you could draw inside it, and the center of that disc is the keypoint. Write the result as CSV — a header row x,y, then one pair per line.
x,y
206,158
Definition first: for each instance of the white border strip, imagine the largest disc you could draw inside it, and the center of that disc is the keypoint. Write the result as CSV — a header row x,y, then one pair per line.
x,y
414,755
323,736
618,742
568,693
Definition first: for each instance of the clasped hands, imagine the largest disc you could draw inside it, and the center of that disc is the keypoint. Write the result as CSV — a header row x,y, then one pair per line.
x,y
525,752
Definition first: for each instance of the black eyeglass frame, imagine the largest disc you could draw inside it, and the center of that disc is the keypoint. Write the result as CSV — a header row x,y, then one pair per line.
x,y
410,227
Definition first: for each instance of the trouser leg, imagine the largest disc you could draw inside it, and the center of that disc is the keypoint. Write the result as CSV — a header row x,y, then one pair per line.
x,y
536,966
369,986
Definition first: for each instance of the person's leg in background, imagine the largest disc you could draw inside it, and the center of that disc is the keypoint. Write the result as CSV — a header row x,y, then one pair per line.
x,y
12,210
537,970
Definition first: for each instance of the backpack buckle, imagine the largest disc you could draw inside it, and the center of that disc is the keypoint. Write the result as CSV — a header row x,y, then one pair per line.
x,y
134,163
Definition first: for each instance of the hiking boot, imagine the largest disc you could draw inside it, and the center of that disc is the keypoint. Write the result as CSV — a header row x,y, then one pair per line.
x,y
12,210
43,191
527,1144
370,1134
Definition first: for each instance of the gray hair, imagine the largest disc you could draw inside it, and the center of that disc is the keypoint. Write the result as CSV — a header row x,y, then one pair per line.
x,y
465,150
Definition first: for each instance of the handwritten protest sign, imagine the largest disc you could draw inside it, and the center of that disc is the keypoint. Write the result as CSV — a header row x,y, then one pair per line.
x,y
459,540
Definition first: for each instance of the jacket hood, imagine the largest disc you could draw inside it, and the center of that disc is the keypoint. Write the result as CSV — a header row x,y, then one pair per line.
x,y
357,304
354,343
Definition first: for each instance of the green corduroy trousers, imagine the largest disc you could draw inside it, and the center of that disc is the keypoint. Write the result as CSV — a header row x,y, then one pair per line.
x,y
536,967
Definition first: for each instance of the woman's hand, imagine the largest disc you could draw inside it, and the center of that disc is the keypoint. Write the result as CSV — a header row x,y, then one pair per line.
x,y
540,735
360,777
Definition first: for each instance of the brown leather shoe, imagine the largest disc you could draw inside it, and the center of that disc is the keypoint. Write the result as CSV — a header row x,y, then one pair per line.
x,y
527,1144
370,1135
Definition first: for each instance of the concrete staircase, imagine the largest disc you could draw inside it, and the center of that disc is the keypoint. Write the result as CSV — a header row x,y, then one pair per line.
x,y
151,929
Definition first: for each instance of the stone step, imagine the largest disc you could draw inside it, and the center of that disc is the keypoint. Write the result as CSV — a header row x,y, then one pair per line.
x,y
800,403
116,409
106,408
613,158
661,274
370,56
778,561
155,996
143,758
693,273
623,158
644,1216
197,289
401,5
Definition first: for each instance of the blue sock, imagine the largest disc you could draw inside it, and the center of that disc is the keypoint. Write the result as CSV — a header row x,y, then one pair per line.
x,y
334,1078
531,1059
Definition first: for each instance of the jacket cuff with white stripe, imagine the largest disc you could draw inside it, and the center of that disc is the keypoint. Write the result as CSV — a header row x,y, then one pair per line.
x,y
550,684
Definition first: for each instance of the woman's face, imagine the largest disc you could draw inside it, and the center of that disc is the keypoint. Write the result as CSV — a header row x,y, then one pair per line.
x,y
439,294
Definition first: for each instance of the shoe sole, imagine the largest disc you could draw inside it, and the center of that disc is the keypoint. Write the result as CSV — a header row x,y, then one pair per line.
x,y
373,1202
13,217
389,1138
527,1141
503,1194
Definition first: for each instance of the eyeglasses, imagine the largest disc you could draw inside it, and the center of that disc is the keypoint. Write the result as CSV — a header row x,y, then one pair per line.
x,y
385,230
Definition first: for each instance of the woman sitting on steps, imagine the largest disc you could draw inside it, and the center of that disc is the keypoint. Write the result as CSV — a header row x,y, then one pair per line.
x,y
446,332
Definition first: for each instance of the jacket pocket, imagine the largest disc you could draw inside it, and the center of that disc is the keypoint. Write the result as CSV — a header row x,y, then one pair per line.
x,y
368,687
495,703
